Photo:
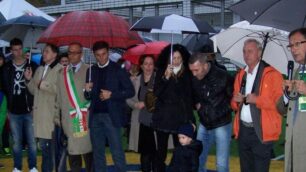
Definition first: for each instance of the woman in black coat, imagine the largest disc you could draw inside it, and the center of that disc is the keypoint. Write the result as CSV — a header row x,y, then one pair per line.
x,y
173,107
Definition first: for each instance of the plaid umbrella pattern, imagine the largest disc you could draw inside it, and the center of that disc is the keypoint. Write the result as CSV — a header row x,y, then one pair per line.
x,y
150,48
87,27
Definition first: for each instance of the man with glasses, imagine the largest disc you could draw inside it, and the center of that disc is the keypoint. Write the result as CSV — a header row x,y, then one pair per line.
x,y
295,149
74,109
20,103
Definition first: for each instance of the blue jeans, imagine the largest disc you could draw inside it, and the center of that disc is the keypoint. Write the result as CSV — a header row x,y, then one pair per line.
x,y
23,123
102,128
222,137
46,146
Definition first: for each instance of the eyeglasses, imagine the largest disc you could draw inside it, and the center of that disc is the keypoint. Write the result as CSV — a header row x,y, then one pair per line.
x,y
295,45
73,53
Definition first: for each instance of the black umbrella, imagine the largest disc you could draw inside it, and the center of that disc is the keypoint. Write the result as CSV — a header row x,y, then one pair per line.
x,y
2,18
172,24
21,26
281,14
195,43
27,28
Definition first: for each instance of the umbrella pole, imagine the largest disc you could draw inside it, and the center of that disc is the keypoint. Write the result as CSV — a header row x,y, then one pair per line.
x,y
32,39
89,75
171,51
264,44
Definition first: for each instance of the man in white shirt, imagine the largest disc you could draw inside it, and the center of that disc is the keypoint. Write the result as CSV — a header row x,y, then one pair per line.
x,y
257,123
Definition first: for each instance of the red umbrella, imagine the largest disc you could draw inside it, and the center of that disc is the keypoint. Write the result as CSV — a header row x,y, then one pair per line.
x,y
87,27
150,48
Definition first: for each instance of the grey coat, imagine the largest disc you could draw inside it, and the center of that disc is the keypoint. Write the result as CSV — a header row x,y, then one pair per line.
x,y
76,145
44,108
295,146
137,117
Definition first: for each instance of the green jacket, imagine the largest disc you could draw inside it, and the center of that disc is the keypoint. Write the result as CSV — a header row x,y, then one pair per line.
x,y
3,111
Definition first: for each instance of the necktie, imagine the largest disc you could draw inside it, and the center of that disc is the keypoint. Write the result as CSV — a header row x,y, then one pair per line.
x,y
73,69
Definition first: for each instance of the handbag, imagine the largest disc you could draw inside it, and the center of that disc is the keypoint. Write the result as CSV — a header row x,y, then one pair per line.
x,y
150,100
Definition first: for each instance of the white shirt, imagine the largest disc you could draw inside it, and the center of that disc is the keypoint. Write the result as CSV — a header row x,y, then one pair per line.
x,y
250,78
103,66
45,71
77,67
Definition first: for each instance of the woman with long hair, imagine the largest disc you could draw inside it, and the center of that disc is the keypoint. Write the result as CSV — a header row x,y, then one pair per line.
x,y
173,108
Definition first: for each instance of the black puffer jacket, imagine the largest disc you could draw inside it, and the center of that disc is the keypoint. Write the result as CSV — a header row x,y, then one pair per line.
x,y
186,158
174,101
214,93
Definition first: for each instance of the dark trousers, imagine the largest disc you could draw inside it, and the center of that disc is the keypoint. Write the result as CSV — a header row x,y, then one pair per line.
x,y
147,148
102,129
162,147
75,162
60,149
254,155
47,153
6,134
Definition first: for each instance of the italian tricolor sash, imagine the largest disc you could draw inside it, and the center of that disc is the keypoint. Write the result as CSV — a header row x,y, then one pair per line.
x,y
79,109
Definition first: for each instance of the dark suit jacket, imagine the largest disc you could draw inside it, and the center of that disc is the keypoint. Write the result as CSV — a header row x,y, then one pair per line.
x,y
119,83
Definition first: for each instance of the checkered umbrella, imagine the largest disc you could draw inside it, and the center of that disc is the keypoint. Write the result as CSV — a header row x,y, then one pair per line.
x,y
87,27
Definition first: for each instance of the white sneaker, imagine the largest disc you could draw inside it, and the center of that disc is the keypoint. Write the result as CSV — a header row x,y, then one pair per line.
x,y
16,170
34,170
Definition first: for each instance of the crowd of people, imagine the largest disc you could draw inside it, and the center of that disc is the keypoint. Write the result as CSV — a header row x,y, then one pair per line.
x,y
69,109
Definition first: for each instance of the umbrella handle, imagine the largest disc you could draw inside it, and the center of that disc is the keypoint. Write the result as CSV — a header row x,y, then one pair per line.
x,y
171,50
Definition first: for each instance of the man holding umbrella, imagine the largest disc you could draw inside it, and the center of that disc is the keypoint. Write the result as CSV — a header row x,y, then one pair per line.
x,y
257,123
20,102
108,86
296,117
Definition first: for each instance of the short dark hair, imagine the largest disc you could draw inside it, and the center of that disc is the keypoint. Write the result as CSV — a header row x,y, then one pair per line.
x,y
201,57
299,30
53,47
100,45
15,41
143,57
63,55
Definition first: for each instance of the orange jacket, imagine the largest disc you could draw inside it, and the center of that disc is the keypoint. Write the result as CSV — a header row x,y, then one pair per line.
x,y
270,91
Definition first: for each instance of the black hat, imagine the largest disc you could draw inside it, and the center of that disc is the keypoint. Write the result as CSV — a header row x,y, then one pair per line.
x,y
186,129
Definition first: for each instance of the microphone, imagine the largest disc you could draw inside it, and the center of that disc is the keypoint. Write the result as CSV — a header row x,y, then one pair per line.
x,y
242,90
290,68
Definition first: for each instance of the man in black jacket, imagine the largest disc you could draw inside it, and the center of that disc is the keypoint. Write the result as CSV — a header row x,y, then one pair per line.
x,y
20,103
212,88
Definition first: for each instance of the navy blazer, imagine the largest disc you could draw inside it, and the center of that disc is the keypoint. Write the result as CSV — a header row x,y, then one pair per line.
x,y
119,83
